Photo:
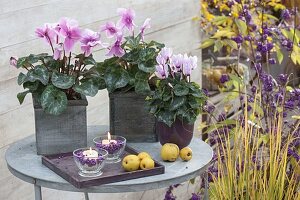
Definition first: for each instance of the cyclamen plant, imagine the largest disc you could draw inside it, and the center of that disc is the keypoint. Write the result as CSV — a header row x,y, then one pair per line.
x,y
55,79
132,59
175,96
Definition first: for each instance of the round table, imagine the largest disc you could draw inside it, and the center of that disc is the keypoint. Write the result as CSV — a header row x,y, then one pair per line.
x,y
24,163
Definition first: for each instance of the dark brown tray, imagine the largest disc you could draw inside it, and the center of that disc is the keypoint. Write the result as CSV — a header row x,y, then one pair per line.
x,y
64,165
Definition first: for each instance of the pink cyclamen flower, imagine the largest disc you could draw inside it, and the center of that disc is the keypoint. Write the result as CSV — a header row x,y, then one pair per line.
x,y
13,61
162,71
70,31
89,40
145,26
127,17
166,53
176,62
58,50
116,49
47,32
110,28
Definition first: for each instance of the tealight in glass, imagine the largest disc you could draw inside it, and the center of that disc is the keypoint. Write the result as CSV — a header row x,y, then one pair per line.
x,y
90,161
114,145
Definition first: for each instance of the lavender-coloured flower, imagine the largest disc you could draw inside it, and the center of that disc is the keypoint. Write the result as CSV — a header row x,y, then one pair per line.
x,y
116,49
253,89
89,40
272,61
71,33
176,62
166,53
110,29
224,78
127,17
238,39
285,14
47,32
282,79
13,61
146,25
162,71
195,197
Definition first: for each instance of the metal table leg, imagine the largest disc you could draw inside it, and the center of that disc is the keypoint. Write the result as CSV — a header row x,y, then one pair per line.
x,y
37,192
86,196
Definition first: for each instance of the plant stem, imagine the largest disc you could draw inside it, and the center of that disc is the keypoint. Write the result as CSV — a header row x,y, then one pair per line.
x,y
69,62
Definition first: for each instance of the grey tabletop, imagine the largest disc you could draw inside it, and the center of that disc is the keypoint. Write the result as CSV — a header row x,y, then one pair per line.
x,y
24,163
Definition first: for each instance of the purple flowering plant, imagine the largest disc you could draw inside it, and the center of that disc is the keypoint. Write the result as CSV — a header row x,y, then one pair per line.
x,y
131,59
55,78
175,96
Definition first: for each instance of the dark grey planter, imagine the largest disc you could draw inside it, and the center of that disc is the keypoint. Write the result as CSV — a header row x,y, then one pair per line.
x,y
130,119
63,133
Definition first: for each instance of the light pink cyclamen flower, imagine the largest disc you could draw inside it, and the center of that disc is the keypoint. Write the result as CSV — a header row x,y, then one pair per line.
x,y
160,59
166,53
127,17
70,31
145,26
176,62
187,65
116,49
47,32
13,61
111,29
89,40
162,71
58,50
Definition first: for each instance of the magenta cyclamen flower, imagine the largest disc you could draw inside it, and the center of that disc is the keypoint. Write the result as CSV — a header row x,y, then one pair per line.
x,y
58,50
162,71
145,26
13,61
70,31
127,17
116,49
89,40
110,28
47,32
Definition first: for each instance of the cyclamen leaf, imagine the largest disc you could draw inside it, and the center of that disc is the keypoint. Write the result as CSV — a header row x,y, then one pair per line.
x,y
177,102
39,73
62,81
142,87
22,78
115,78
21,96
53,100
166,117
180,90
145,68
87,88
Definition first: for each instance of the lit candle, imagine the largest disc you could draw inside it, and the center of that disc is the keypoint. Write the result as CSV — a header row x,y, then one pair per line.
x,y
109,140
91,153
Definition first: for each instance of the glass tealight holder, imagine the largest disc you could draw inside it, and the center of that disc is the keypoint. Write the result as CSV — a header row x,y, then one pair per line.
x,y
90,166
115,147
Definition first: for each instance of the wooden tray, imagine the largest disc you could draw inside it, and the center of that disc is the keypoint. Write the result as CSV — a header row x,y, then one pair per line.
x,y
64,165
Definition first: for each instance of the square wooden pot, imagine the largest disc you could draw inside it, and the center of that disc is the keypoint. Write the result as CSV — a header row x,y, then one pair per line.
x,y
62,133
130,119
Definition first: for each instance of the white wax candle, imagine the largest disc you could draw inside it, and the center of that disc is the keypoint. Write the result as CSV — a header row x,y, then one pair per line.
x,y
90,153
109,140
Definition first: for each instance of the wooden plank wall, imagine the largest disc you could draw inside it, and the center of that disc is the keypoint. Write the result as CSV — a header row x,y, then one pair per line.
x,y
171,24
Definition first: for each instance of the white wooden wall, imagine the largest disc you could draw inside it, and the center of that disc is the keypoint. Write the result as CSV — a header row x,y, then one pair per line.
x,y
171,24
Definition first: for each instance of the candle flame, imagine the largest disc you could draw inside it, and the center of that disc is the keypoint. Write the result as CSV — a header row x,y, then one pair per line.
x,y
108,136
